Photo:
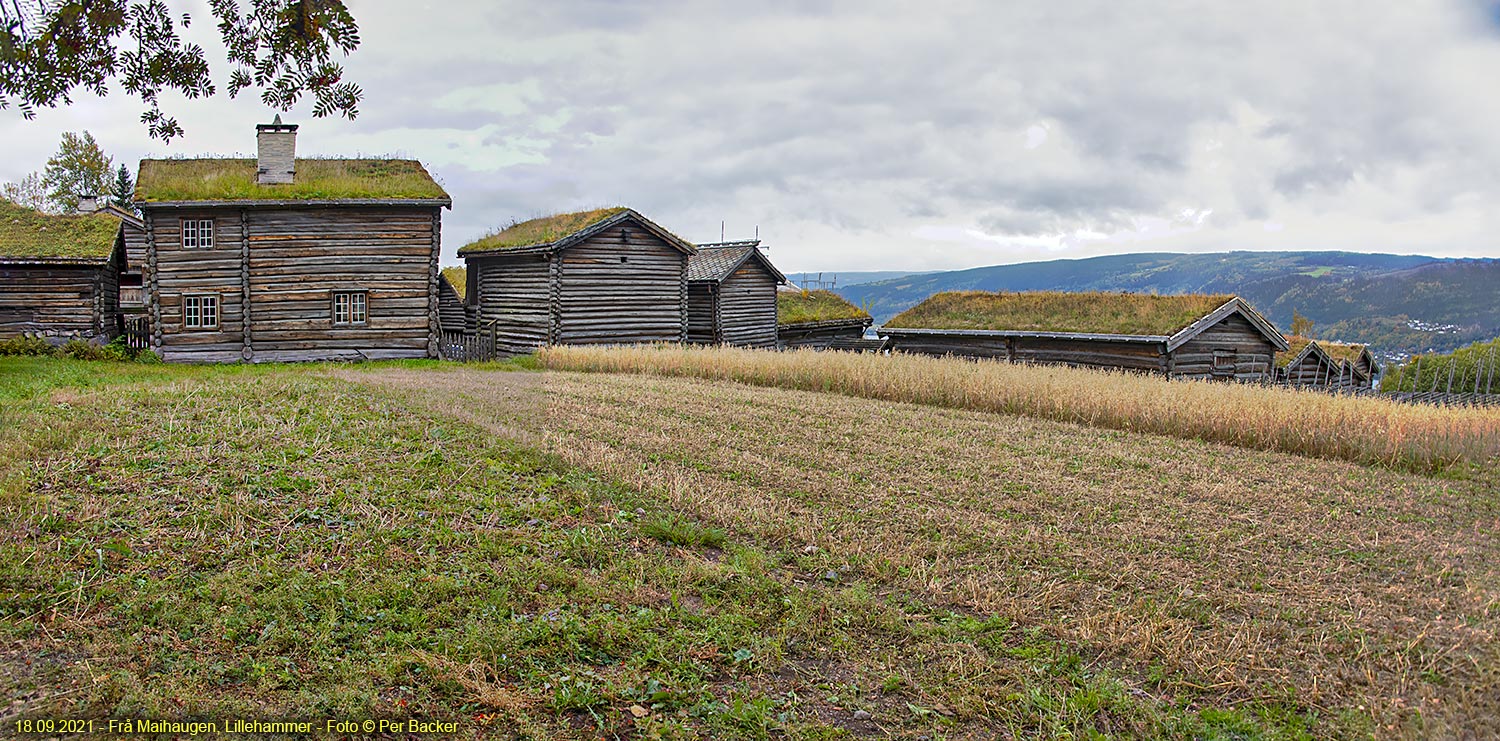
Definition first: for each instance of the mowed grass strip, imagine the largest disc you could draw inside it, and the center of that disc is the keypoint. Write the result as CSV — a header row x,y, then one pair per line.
x,y
1363,430
287,542
1286,595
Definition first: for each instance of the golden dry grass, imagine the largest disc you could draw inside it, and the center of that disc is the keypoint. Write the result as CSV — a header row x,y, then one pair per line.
x,y
1364,599
1364,430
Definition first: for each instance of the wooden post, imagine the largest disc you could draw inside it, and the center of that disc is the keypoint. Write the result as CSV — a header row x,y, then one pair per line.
x,y
153,308
1452,365
433,326
247,350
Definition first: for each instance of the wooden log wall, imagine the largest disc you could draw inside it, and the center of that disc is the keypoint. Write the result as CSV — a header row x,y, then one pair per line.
x,y
135,247
818,335
1139,356
512,297
58,300
622,286
703,312
289,262
747,307
1253,352
452,314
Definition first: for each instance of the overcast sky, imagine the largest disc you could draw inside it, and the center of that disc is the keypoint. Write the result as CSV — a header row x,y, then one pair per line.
x,y
896,135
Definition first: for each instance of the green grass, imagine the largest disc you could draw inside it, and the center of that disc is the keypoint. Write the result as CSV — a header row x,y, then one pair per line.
x,y
224,179
1056,311
799,307
28,233
279,541
540,231
458,277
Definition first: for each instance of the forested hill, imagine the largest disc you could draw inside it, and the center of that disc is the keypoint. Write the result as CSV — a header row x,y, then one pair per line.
x,y
1397,303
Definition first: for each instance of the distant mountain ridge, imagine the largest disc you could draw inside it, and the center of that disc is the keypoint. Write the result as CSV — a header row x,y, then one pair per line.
x,y
1399,304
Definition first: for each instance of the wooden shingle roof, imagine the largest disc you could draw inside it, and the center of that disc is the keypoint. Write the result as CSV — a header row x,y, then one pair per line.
x,y
559,231
217,180
719,260
31,236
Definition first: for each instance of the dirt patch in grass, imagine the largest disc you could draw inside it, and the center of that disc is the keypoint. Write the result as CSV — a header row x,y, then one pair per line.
x,y
1350,599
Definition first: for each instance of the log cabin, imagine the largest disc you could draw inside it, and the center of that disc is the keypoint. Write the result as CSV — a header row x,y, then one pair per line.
x,y
1186,336
1325,364
817,319
607,276
282,258
732,295
59,275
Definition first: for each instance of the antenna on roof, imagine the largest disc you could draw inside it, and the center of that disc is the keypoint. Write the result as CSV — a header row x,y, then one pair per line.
x,y
757,238
721,231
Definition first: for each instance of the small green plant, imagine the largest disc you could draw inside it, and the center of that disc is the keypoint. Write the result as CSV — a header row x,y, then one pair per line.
x,y
681,531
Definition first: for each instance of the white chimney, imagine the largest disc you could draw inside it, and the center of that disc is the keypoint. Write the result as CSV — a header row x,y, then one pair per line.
x,y
276,152
88,203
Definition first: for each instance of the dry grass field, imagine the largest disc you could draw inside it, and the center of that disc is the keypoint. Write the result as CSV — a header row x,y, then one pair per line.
x,y
537,553
1311,423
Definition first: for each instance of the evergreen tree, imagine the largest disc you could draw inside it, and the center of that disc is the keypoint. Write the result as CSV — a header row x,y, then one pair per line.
x,y
124,188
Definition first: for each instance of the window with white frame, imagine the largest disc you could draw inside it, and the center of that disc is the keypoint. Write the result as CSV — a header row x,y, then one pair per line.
x,y
349,307
198,233
200,312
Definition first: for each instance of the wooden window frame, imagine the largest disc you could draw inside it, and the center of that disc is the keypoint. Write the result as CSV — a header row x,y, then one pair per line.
x,y
1225,370
364,307
202,231
218,305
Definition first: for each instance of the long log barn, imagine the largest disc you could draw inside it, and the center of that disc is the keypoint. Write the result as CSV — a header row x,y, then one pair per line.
x,y
59,275
1182,336
818,319
1325,364
732,295
282,258
607,276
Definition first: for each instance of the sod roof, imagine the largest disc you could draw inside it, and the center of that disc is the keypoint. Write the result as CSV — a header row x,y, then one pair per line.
x,y
542,231
802,307
222,179
1096,313
1337,352
459,279
31,235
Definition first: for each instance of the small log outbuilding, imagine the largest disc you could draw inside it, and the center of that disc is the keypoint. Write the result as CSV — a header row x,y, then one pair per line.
x,y
817,319
732,295
1324,364
59,275
1184,336
609,276
286,259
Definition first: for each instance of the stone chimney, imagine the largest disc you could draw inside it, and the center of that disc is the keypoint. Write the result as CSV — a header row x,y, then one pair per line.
x,y
90,203
276,152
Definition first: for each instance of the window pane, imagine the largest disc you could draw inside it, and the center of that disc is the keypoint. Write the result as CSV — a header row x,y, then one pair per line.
x,y
206,233
210,311
189,233
340,308
190,310
357,314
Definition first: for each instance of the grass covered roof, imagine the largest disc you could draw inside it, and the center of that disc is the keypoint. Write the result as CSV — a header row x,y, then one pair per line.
x,y
29,234
458,278
1338,352
540,231
1056,311
220,179
801,307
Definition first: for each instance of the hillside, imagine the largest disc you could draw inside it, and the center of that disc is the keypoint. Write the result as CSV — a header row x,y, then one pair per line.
x,y
565,555
1396,303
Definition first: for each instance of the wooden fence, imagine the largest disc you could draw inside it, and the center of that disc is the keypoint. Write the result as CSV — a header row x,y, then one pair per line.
x,y
136,331
464,347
